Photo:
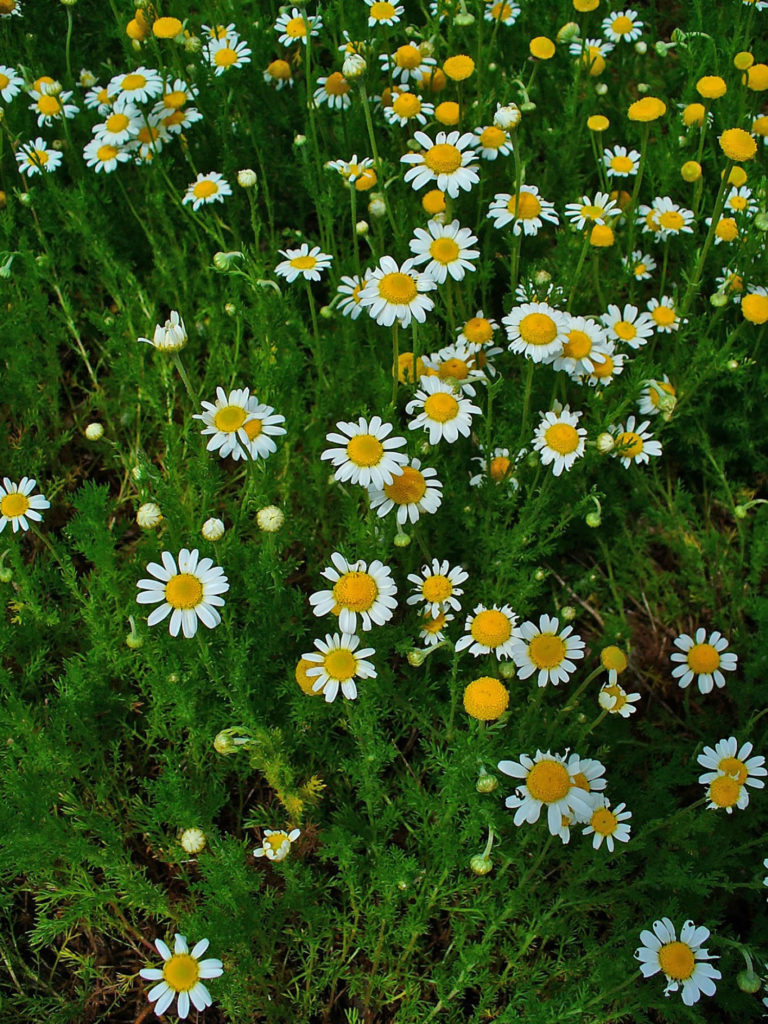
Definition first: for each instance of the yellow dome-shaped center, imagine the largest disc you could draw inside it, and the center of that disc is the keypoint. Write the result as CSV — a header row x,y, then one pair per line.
x,y
548,781
671,220
106,153
454,369
181,972
735,768
724,791
622,164
365,450
625,330
304,262
356,591
478,330
614,658
253,428
14,505
602,367
578,345
48,105
538,329
664,316
492,137
336,84
604,822
406,104
443,159
486,698
132,82
500,467
491,628
205,189
622,25
677,961
629,444
546,651
117,122
408,56
382,10
437,588
398,289
174,100
727,229
592,212
444,250
525,206
295,28
703,658
562,438
408,488
340,664
230,418
441,407
184,591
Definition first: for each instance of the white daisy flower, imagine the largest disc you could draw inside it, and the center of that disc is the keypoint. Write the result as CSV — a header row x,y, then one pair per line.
x,y
543,650
606,825
611,366
407,63
104,156
50,107
358,589
381,12
351,170
230,52
9,8
350,289
634,443
181,977
498,468
446,249
537,331
489,631
446,161
137,86
18,504
367,453
443,414
546,783
628,325
188,594
175,121
293,29
704,657
35,157
492,142
740,201
527,215
99,99
614,699
432,628
458,364
207,188
620,162
170,336
278,73
120,126
587,773
393,292
239,425
407,107
682,961
584,346
176,94
640,265
149,140
672,219
733,765
502,11
622,27
589,211
332,91
276,844
303,262
412,492
438,588
219,31
560,439
337,663
11,82
590,49
477,332
657,396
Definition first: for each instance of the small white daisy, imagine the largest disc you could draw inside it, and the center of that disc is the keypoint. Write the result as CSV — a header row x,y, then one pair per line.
x,y
498,468
366,454
412,492
543,650
704,657
727,761
628,325
620,162
432,628
393,292
492,142
526,213
278,73
589,211
583,347
99,99
149,139
614,699
672,219
120,126
239,425
633,443
336,663
181,977
606,825
381,12
640,265
349,289
11,83
560,439
442,412
303,262
230,52
501,11
104,156
35,157
407,63
358,589
489,631
446,161
407,107
740,201
292,28
682,961
351,170
188,594
207,188
446,249
537,331
18,504
137,86
622,27
333,92
276,844
477,332
50,107
438,588
611,366
546,782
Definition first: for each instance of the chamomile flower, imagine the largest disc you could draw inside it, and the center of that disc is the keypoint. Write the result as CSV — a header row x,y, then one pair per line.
x,y
18,504
278,73
393,292
438,587
731,770
137,86
11,83
446,161
620,162
537,331
332,91
740,201
367,591
239,425
640,265
190,593
526,213
444,414
704,657
477,332
498,468
406,63
276,843
459,365
446,249
590,211
608,364
170,336
120,126
730,283
337,663
303,262
175,121
633,443
560,439
664,314
606,825
50,107
176,94
628,325
584,345
99,99
381,12
226,53
149,140
293,29
349,290
9,8
657,396
682,961
489,631
432,627
587,773
672,219
492,142
407,108
104,156
411,492
366,454
34,157
207,188
545,782
501,11
541,649
181,977
614,699
352,170
622,27
219,31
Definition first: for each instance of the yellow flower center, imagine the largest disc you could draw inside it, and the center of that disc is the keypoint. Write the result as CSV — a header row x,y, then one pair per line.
x,y
365,450
305,682
672,220
166,28
727,229
382,10
459,68
486,698
408,56
181,972
602,367
205,189
48,105
629,444
230,418
622,25
296,28
538,329
14,505
408,488
175,100
117,122
453,369
738,145
664,316
4,80
639,269
280,69
622,164
500,467
443,159
340,664
501,11
578,345
398,289
491,628
582,782
703,659
738,203
613,658
653,392
225,57
676,960
444,250
433,625
562,438
649,108
548,781
184,591
336,84
754,307
492,137
525,206
619,696
546,650
478,330
624,329
591,212
735,768
39,156
604,822
253,428
441,407
106,153
436,589
304,262
356,591
133,81
7,6
276,840
407,104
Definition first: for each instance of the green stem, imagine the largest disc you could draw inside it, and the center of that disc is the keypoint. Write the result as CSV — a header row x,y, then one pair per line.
x,y
184,377
632,209
396,362
526,401
579,265
719,203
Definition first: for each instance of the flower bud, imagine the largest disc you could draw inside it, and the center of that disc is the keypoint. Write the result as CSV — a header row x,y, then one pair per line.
x,y
6,574
481,864
402,540
133,640
148,515
213,529
376,207
740,512
416,657
193,44
229,740
246,178
718,300
299,140
361,228
540,575
760,221
748,981
223,261
732,364
605,443
94,431
270,518
568,33
193,840
507,669
643,87
601,89
568,612
593,519
486,783
507,117
354,66
230,308
690,171
641,47
464,19
661,48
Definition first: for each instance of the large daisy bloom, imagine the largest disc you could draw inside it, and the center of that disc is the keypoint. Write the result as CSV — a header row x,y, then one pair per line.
x,y
240,425
682,961
446,249
366,454
489,631
191,592
444,413
546,782
628,325
606,825
704,657
293,29
337,662
393,292
358,589
181,976
18,504
537,331
633,443
543,650
438,587
381,12
303,262
136,86
276,844
207,188
526,212
445,161
413,491
560,439
731,770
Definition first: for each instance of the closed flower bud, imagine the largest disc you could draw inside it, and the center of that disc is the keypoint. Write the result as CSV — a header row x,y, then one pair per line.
x,y
568,33
299,140
148,515
416,657
540,575
486,783
643,87
193,840
402,540
741,512
761,221
568,612
732,364
228,741
464,19
134,641
170,336
605,443
6,574
507,669
223,261
718,300
354,66
661,48
270,518
481,864
94,431
376,207
362,228
691,170
230,308
593,519
246,178
193,44
641,47
601,89
213,529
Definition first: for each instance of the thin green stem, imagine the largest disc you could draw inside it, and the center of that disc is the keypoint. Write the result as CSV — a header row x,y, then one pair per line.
x,y
719,203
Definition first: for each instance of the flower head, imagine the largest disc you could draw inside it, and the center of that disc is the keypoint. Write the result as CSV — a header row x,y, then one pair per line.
x,y
366,454
526,211
446,161
170,336
412,492
303,262
633,443
546,781
703,657
358,589
18,504
393,292
207,188
541,649
337,663
181,977
188,593
276,844
489,630
444,414
240,426
682,961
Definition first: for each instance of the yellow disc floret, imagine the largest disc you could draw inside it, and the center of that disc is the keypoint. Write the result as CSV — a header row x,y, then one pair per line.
x,y
486,698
